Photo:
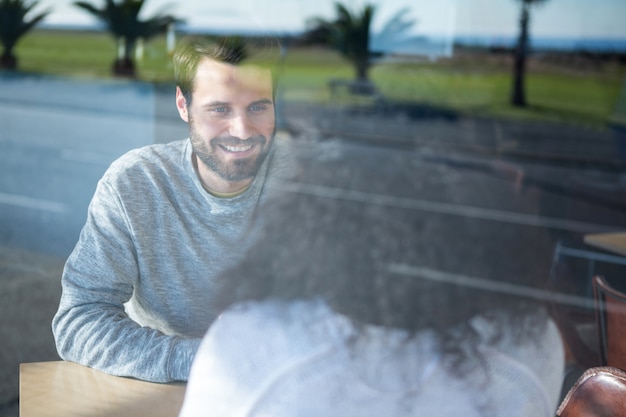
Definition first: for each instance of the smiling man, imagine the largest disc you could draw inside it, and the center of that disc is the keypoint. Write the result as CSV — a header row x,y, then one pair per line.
x,y
166,219
231,118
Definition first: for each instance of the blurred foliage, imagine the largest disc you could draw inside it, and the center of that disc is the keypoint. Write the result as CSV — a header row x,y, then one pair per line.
x,y
121,19
473,82
16,19
348,33
88,54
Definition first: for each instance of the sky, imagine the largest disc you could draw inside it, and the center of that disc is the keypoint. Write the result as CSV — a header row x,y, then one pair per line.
x,y
491,18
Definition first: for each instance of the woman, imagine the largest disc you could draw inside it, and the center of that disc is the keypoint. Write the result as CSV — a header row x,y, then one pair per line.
x,y
317,322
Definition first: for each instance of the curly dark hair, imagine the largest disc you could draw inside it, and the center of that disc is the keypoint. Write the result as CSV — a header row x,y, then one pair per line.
x,y
311,246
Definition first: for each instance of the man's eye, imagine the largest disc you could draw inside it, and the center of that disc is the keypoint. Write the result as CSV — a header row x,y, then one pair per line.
x,y
257,107
222,109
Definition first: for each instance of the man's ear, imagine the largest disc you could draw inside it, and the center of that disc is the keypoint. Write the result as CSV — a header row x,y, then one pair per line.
x,y
181,105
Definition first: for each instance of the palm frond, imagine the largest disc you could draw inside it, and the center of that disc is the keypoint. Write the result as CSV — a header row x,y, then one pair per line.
x,y
15,21
348,33
91,9
122,19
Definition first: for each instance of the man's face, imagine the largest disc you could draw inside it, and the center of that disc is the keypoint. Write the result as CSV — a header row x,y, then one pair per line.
x,y
231,122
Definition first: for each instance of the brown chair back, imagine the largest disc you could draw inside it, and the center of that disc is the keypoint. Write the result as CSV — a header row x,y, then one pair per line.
x,y
611,318
599,392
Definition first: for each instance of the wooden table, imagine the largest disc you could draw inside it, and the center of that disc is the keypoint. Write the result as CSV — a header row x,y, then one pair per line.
x,y
613,242
67,389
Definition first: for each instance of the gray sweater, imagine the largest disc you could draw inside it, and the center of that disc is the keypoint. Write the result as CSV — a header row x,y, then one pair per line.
x,y
137,288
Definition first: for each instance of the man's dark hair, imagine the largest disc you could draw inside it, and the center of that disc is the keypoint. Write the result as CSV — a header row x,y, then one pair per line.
x,y
234,50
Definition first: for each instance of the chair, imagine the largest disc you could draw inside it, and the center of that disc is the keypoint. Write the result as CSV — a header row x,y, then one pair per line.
x,y
611,318
591,257
599,392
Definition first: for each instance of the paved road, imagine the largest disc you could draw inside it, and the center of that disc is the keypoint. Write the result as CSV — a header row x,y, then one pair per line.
x,y
473,209
58,136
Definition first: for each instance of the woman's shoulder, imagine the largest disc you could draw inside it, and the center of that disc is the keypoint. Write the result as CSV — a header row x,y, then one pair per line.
x,y
253,342
524,371
285,321
543,340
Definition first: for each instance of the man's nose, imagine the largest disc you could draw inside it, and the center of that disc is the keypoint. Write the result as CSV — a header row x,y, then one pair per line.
x,y
240,127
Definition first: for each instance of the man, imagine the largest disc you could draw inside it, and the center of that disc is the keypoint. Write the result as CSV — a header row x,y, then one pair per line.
x,y
166,219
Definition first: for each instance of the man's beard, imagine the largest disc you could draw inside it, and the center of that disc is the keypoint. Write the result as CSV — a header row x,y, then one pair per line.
x,y
235,170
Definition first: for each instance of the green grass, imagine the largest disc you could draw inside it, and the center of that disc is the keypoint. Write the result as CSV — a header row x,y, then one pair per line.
x,y
86,54
470,83
590,98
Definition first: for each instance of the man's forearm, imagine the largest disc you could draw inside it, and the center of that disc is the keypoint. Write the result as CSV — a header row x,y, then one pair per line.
x,y
102,338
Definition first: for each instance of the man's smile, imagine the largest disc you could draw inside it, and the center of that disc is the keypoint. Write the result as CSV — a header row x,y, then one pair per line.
x,y
237,149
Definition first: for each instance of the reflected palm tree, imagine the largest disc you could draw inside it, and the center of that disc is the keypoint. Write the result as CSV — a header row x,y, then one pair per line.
x,y
396,33
349,33
518,94
15,23
398,26
122,20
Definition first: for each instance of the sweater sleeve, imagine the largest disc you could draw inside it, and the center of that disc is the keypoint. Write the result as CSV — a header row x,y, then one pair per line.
x,y
91,326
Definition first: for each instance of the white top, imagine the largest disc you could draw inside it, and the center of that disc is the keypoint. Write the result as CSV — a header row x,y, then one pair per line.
x,y
295,359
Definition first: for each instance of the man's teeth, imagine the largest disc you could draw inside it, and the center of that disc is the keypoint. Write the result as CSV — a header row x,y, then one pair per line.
x,y
238,148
